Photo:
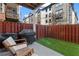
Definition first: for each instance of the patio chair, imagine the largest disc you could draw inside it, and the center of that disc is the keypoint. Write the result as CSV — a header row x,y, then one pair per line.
x,y
18,50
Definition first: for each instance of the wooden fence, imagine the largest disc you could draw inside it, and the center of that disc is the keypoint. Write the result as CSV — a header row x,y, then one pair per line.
x,y
68,33
12,27
61,32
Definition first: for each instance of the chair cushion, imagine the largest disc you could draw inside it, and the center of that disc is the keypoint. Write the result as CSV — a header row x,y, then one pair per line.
x,y
9,42
17,47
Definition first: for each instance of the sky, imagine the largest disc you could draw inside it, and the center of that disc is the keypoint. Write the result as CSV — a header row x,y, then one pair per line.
x,y
76,7
25,11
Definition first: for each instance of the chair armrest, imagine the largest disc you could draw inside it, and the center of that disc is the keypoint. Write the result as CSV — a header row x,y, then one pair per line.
x,y
12,45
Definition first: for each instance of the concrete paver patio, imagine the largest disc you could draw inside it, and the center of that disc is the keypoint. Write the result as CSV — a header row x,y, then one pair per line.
x,y
41,50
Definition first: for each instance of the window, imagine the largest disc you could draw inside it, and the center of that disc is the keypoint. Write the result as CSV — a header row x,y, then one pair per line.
x,y
46,10
49,8
0,7
49,14
46,15
0,4
31,20
46,21
49,20
14,11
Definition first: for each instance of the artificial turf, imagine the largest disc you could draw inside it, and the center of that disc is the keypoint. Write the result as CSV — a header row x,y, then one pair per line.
x,y
65,48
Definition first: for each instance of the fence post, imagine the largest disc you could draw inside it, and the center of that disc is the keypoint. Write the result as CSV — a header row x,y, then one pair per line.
x,y
34,22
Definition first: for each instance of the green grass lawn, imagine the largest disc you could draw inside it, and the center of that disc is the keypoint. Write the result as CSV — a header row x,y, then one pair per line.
x,y
65,48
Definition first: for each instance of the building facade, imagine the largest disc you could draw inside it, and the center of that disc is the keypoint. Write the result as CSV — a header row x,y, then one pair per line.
x,y
56,13
29,19
9,11
46,15
64,14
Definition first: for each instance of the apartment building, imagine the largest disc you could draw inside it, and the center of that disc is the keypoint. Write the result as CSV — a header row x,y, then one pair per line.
x,y
56,13
46,15
64,14
9,12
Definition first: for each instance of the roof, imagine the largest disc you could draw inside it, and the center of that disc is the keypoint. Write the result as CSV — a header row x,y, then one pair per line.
x,y
31,5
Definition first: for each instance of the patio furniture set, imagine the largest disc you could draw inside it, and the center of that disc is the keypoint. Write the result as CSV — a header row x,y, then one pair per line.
x,y
19,46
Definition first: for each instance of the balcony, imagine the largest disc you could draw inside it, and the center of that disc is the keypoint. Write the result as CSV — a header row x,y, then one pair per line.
x,y
59,16
10,15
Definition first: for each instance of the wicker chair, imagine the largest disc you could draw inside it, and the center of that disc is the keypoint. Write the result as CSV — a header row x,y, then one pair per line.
x,y
17,50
